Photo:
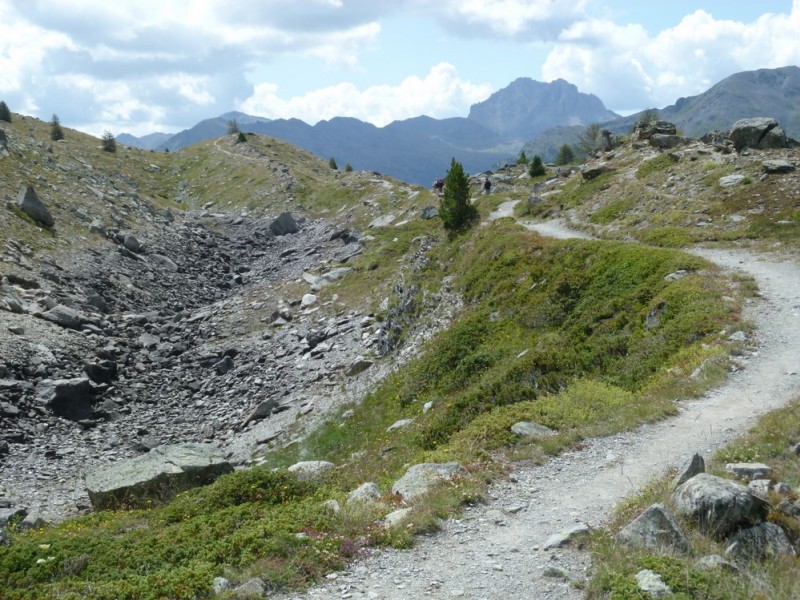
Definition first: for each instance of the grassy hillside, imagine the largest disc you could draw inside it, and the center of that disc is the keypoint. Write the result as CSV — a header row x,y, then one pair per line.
x,y
586,337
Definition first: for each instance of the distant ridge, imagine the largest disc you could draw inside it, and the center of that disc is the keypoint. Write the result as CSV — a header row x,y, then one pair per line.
x,y
419,150
545,115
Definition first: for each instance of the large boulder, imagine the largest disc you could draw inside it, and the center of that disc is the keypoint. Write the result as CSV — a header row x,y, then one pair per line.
x,y
156,476
720,506
765,540
310,470
29,203
420,479
68,398
654,529
64,316
284,225
758,132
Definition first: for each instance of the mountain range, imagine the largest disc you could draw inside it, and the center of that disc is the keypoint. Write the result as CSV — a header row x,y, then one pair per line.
x,y
531,115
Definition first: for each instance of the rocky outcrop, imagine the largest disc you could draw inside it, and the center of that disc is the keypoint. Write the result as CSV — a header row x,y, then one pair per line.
x,y
156,476
757,132
29,203
644,131
719,506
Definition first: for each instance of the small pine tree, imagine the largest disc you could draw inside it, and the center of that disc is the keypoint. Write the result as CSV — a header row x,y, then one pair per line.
x,y
5,114
565,155
348,168
108,142
56,133
233,127
587,141
537,168
332,164
522,159
241,138
647,116
454,207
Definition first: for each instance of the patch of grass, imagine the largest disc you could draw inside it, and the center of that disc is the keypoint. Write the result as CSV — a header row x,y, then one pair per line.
x,y
612,211
667,237
654,165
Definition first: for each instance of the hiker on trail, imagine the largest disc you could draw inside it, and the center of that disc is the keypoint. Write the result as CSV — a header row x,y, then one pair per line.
x,y
438,186
487,187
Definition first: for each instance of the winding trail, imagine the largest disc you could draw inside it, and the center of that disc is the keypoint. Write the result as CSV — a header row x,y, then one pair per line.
x,y
497,550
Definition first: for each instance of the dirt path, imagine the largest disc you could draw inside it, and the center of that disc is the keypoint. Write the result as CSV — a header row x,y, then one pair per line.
x,y
497,551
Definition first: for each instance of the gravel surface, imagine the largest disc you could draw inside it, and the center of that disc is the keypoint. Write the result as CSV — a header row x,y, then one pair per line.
x,y
497,550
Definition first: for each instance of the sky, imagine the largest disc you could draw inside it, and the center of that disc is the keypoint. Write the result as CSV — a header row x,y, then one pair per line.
x,y
141,66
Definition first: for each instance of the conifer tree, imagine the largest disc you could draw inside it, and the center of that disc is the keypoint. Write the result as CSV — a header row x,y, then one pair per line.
x,y
522,159
5,114
565,155
332,164
537,168
56,133
108,142
455,209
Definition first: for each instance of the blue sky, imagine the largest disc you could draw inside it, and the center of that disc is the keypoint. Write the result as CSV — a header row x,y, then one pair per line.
x,y
162,65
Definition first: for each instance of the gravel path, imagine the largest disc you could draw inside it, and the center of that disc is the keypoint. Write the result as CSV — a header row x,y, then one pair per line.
x,y
497,550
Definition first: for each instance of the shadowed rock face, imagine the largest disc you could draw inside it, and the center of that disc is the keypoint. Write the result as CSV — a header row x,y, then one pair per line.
x,y
156,476
29,203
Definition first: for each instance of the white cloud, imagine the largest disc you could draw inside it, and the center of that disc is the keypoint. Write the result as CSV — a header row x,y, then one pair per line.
x,y
629,69
439,94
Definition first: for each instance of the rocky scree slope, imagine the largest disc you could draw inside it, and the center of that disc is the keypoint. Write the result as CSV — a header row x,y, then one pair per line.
x,y
138,320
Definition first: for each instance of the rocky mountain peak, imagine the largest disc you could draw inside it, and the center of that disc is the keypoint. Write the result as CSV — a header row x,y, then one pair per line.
x,y
527,107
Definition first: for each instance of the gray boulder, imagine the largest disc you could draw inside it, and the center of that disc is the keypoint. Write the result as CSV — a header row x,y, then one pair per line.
x,y
719,506
29,203
530,429
567,536
11,515
429,212
132,244
749,471
284,225
308,470
651,584
382,221
156,476
166,262
765,540
347,252
777,166
655,529
590,172
421,478
366,493
68,398
64,316
758,132
731,180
